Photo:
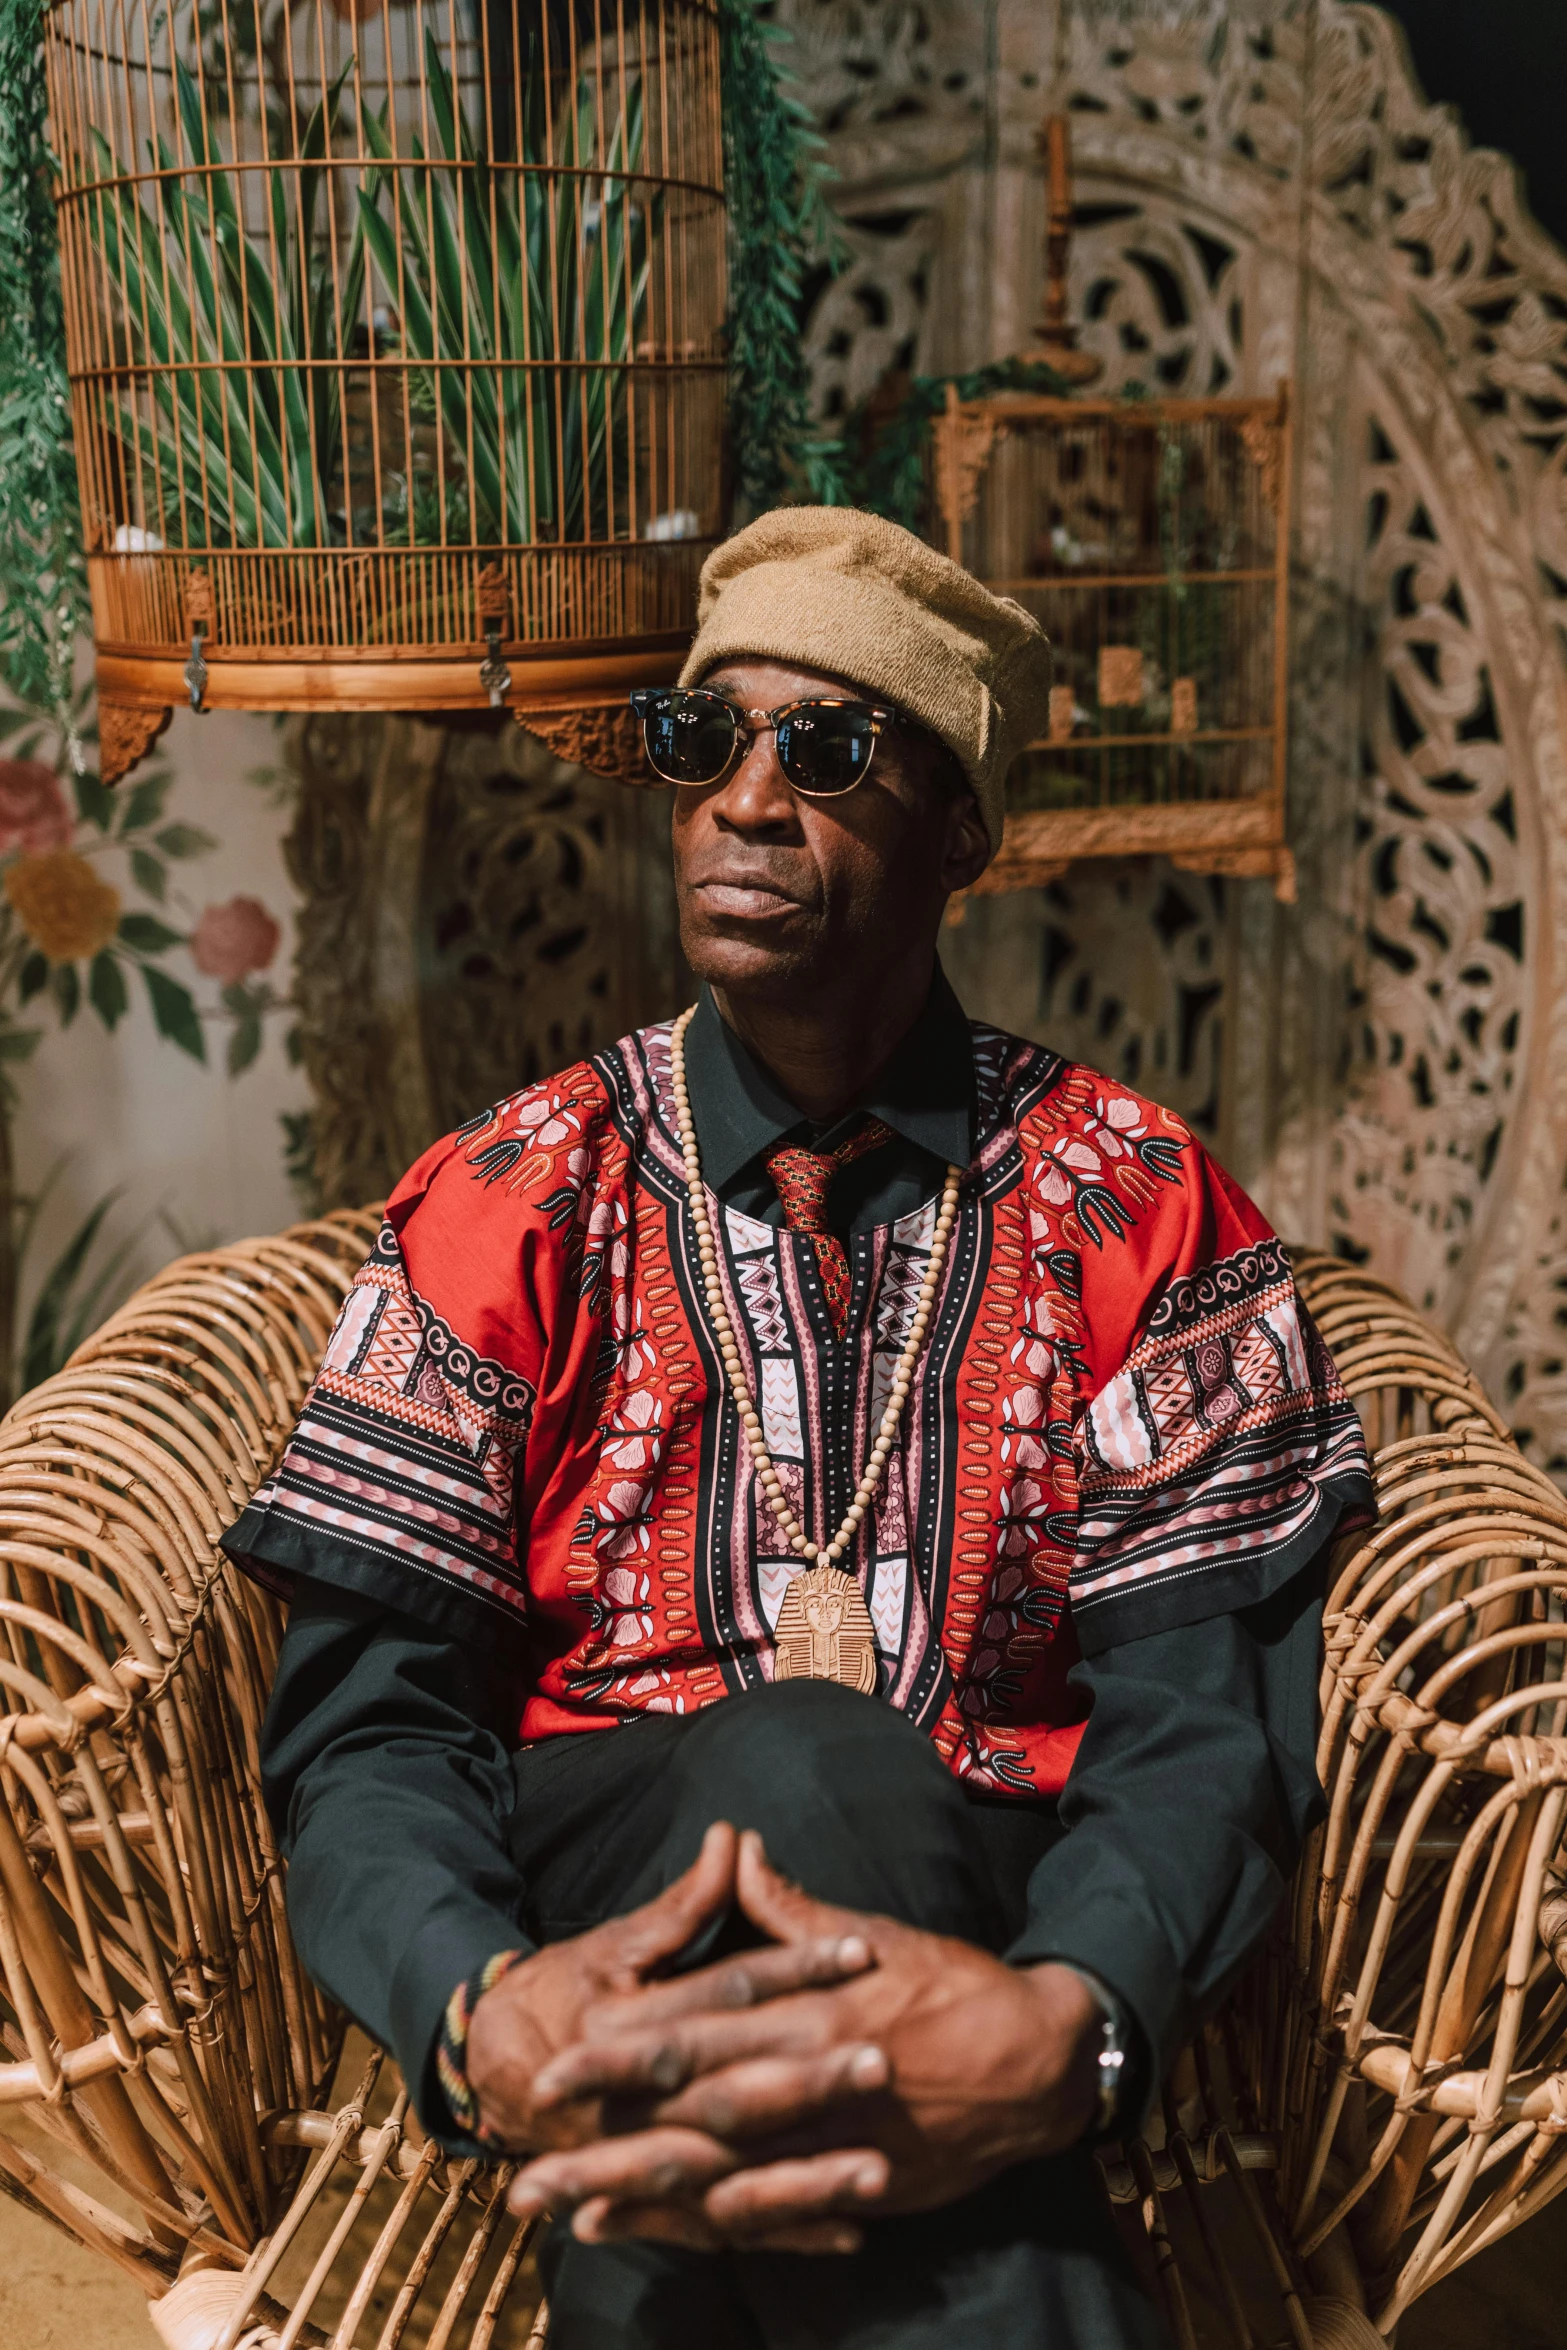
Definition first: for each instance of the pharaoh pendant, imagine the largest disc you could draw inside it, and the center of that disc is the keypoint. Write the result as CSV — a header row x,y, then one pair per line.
x,y
824,1632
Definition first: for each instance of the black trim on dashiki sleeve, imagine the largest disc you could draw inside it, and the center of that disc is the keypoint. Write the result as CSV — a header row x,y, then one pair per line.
x,y
1217,1461
398,1481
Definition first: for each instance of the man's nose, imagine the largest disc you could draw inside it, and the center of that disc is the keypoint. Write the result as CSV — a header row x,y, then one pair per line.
x,y
755,795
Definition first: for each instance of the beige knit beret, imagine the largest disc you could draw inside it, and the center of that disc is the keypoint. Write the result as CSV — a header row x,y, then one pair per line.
x,y
824,587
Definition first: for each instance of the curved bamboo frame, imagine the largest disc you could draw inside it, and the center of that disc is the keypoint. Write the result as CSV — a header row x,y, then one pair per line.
x,y
1386,2093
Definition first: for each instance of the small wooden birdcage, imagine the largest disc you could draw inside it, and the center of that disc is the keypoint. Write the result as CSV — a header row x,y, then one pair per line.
x,y
1151,540
394,338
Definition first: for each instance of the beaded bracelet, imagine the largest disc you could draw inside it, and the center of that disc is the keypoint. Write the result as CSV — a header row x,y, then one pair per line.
x,y
451,2055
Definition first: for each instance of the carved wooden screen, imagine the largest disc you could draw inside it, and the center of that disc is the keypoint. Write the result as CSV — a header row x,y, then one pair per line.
x,y
1263,194
476,914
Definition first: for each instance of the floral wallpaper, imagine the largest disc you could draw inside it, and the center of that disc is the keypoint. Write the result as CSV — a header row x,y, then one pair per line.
x,y
127,955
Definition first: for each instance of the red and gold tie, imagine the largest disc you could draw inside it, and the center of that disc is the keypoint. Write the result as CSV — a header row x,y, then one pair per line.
x,y
804,1178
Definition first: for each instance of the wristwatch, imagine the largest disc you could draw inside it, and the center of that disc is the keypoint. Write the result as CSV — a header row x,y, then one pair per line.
x,y
1114,2055
1111,2074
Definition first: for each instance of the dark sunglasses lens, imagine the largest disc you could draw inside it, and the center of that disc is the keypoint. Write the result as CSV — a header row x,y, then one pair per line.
x,y
824,749
690,737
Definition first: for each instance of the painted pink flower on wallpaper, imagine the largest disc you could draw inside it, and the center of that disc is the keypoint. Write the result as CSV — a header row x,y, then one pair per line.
x,y
233,940
33,813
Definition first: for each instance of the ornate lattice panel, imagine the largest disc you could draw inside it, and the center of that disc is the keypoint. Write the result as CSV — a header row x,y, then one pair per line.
x,y
1263,194
477,912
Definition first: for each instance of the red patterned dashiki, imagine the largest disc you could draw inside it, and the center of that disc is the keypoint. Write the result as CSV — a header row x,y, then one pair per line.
x,y
1123,1418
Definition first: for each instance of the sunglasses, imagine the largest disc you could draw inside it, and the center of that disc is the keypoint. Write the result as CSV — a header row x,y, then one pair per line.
x,y
824,746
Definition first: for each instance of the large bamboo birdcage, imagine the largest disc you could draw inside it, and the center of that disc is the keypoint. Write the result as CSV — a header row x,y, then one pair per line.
x,y
394,338
1151,539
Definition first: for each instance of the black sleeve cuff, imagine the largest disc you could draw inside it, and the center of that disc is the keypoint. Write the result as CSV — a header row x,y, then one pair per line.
x,y
447,1952
1109,1936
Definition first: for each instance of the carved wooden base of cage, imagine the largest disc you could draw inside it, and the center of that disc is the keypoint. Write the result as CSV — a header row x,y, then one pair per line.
x,y
1243,839
570,698
552,634
1385,2094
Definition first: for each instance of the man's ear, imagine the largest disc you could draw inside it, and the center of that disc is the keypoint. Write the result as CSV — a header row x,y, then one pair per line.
x,y
965,848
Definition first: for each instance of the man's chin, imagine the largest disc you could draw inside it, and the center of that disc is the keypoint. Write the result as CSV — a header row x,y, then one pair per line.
x,y
751,960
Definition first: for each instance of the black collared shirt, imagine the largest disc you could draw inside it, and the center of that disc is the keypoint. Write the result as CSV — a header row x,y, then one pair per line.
x,y
924,1092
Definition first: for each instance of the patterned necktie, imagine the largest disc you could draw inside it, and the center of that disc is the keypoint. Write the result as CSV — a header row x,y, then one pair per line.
x,y
804,1178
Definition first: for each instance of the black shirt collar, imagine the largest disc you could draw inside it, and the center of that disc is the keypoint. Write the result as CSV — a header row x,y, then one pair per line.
x,y
924,1091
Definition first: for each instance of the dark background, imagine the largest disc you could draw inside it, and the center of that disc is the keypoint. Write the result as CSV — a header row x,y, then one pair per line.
x,y
1503,64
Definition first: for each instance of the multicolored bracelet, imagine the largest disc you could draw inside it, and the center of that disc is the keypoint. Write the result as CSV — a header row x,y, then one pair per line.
x,y
451,2056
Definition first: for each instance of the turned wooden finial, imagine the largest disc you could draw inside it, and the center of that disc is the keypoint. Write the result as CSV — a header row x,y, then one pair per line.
x,y
1058,337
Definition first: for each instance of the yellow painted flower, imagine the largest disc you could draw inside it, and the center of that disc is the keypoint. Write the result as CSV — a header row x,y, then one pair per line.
x,y
64,908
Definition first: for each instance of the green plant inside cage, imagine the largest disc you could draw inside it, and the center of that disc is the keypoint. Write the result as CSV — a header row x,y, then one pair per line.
x,y
497,412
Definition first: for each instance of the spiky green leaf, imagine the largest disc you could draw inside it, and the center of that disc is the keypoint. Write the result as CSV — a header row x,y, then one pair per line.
x,y
70,1301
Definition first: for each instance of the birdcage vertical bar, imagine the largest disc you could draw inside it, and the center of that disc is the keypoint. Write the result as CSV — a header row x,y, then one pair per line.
x,y
67,67
326,456
501,379
525,382
1283,526
118,181
372,378
574,386
621,388
600,390
294,180
82,324
199,385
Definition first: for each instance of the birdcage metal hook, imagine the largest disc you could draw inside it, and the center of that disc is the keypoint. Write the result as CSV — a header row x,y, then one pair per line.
x,y
198,602
494,612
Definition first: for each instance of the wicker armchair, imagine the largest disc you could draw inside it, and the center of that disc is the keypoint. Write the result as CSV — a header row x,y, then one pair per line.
x,y
1381,2097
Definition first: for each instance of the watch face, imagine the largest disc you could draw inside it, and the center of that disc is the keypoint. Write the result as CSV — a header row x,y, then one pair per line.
x,y
1112,2063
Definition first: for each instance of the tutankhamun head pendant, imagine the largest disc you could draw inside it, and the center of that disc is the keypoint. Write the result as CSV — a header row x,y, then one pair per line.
x,y
824,1632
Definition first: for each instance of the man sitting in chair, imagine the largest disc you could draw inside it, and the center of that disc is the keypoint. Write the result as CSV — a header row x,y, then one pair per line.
x,y
806,1552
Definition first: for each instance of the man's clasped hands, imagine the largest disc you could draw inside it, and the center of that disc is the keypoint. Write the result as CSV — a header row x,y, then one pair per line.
x,y
849,2067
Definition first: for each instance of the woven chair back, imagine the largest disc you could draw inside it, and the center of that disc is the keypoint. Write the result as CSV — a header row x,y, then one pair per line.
x,y
1382,2096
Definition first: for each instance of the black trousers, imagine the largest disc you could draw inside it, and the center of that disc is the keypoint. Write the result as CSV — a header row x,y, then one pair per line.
x,y
856,1806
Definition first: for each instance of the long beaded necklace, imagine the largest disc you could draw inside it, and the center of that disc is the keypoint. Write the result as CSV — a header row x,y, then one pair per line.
x,y
824,1630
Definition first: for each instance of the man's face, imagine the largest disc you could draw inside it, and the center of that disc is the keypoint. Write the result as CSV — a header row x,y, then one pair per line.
x,y
786,896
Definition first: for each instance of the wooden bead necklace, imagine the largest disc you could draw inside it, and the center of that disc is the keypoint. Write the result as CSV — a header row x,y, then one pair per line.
x,y
828,1554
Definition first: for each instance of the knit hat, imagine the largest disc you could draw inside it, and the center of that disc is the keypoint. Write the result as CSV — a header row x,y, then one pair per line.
x,y
824,587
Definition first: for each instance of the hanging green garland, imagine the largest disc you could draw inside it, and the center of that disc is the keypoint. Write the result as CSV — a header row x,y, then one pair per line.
x,y
43,581
775,178
890,479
